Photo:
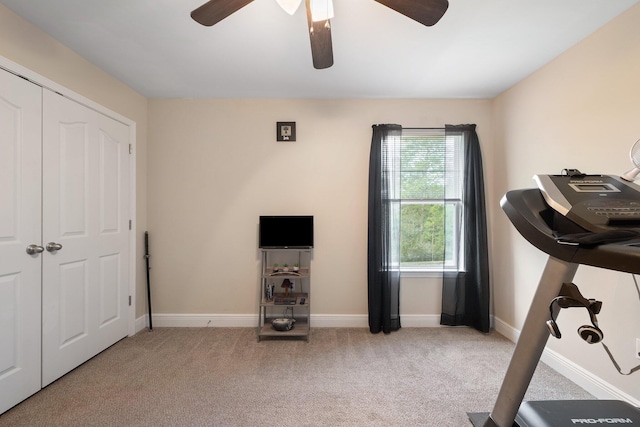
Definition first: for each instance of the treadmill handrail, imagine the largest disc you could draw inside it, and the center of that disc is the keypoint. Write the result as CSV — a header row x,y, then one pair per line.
x,y
524,208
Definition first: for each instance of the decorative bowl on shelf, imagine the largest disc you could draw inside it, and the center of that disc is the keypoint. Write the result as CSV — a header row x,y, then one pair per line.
x,y
283,324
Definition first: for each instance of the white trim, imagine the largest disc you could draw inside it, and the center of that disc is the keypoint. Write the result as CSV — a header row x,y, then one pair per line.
x,y
585,379
175,320
420,273
205,320
339,321
141,323
506,330
133,233
420,320
17,69
40,80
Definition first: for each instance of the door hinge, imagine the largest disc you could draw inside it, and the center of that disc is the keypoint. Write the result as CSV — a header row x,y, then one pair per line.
x,y
129,300
130,149
130,224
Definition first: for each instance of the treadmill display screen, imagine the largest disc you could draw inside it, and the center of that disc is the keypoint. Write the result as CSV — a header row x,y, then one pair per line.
x,y
594,188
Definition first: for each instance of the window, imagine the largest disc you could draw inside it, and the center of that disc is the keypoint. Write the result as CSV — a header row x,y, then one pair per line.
x,y
431,177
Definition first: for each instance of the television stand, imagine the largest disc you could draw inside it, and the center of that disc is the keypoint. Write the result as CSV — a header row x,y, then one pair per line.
x,y
285,294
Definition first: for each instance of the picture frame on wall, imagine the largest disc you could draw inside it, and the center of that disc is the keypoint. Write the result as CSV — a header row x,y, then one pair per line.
x,y
285,131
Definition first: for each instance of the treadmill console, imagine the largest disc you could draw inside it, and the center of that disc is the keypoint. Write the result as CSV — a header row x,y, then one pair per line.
x,y
595,202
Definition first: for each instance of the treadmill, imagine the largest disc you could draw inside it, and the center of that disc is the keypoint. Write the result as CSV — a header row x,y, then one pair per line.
x,y
576,219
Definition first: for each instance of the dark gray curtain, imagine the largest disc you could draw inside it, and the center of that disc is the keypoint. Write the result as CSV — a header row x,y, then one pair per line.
x,y
465,293
384,227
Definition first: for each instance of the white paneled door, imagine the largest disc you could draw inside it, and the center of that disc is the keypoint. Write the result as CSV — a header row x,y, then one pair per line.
x,y
85,234
64,235
20,225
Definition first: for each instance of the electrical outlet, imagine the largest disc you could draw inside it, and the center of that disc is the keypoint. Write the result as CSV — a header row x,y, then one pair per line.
x,y
638,348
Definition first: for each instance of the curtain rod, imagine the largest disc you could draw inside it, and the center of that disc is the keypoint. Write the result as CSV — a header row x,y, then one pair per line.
x,y
411,128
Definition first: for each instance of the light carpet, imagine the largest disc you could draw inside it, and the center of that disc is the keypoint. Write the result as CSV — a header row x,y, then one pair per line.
x,y
341,377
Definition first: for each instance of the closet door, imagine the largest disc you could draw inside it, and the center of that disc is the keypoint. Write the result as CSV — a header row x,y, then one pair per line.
x,y
85,233
20,222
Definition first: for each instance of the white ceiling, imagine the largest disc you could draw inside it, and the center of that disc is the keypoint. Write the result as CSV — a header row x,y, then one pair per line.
x,y
478,49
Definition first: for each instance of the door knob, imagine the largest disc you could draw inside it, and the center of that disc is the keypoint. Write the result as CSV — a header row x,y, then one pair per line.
x,y
34,249
53,246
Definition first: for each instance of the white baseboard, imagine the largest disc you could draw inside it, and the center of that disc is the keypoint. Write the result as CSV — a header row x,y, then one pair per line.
x,y
251,320
506,330
585,379
245,321
420,320
205,320
141,323
339,320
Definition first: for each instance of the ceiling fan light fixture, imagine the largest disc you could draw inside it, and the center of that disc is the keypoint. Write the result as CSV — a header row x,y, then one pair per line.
x,y
289,6
321,10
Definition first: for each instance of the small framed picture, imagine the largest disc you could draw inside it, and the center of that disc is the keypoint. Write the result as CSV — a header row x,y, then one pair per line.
x,y
286,131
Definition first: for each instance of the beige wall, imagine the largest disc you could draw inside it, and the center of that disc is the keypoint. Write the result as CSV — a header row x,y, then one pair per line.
x,y
580,111
215,167
33,49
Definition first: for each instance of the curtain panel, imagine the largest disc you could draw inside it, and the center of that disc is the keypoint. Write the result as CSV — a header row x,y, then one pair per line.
x,y
383,270
465,293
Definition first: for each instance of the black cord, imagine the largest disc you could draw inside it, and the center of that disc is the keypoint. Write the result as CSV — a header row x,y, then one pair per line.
x,y
613,360
636,282
636,369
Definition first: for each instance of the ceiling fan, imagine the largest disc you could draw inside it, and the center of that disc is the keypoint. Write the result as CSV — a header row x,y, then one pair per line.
x,y
319,13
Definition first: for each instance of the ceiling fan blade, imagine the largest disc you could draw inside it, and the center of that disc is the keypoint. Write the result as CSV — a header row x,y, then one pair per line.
x,y
426,12
215,11
320,36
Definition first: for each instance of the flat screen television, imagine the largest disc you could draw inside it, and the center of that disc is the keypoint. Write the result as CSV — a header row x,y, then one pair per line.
x,y
294,232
